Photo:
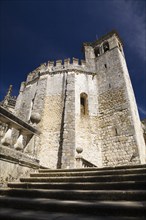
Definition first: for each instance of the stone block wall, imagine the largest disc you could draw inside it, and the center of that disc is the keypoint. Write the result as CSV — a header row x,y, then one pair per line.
x,y
116,124
49,152
140,149
68,145
10,172
87,136
31,98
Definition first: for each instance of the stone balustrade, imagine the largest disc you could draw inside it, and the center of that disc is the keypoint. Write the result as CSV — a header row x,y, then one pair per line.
x,y
15,133
18,150
80,161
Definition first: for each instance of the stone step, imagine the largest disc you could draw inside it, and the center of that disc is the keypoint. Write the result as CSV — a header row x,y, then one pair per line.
x,y
95,168
106,193
90,173
113,195
124,185
97,208
101,178
11,214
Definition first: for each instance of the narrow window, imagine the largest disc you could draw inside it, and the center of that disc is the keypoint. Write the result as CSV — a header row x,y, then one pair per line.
x,y
83,101
97,51
105,65
106,46
120,47
116,131
31,108
83,104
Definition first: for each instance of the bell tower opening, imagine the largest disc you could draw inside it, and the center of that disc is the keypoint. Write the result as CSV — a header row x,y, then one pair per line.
x,y
97,52
106,46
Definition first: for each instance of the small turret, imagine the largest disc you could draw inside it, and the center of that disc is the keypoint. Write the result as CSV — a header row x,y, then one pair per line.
x,y
9,100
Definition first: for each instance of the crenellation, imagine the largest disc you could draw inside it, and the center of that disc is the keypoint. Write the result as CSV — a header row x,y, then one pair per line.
x,y
22,87
50,64
66,62
83,63
58,63
75,61
43,68
53,67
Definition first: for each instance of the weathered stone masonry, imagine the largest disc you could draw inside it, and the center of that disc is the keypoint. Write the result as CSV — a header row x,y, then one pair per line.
x,y
89,105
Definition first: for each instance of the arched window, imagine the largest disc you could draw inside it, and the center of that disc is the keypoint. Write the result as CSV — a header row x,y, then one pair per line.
x,y
106,46
97,51
83,104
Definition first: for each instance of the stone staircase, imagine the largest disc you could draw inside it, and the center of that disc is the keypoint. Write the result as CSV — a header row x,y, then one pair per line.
x,y
78,194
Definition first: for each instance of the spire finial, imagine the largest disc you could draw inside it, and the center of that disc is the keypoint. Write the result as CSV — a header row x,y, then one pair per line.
x,y
9,91
8,95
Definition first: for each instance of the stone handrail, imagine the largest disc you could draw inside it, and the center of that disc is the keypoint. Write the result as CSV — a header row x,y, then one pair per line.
x,y
82,163
86,163
9,118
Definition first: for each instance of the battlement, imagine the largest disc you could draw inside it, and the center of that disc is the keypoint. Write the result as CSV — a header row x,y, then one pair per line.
x,y
61,64
58,65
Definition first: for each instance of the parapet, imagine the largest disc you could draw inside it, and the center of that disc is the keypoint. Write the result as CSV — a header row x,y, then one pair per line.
x,y
60,65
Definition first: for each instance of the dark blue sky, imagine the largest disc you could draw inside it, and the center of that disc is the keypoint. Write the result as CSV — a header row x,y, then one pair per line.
x,y
35,31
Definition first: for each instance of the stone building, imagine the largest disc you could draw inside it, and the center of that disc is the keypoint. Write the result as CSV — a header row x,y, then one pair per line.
x,y
86,106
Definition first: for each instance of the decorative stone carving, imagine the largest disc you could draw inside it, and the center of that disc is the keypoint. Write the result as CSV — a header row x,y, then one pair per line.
x,y
35,118
79,150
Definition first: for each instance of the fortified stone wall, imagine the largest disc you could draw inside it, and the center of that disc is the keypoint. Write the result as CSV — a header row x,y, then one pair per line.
x,y
31,98
68,119
115,125
140,148
50,125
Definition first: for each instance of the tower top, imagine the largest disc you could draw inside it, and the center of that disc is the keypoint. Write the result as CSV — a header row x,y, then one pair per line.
x,y
103,38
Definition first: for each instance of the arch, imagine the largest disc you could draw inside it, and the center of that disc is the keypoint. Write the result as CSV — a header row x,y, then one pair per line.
x,y
97,51
83,104
106,46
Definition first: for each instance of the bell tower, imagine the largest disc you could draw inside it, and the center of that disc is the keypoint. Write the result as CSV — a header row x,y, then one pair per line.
x,y
120,129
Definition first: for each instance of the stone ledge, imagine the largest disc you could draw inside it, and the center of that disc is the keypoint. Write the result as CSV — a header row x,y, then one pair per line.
x,y
13,156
